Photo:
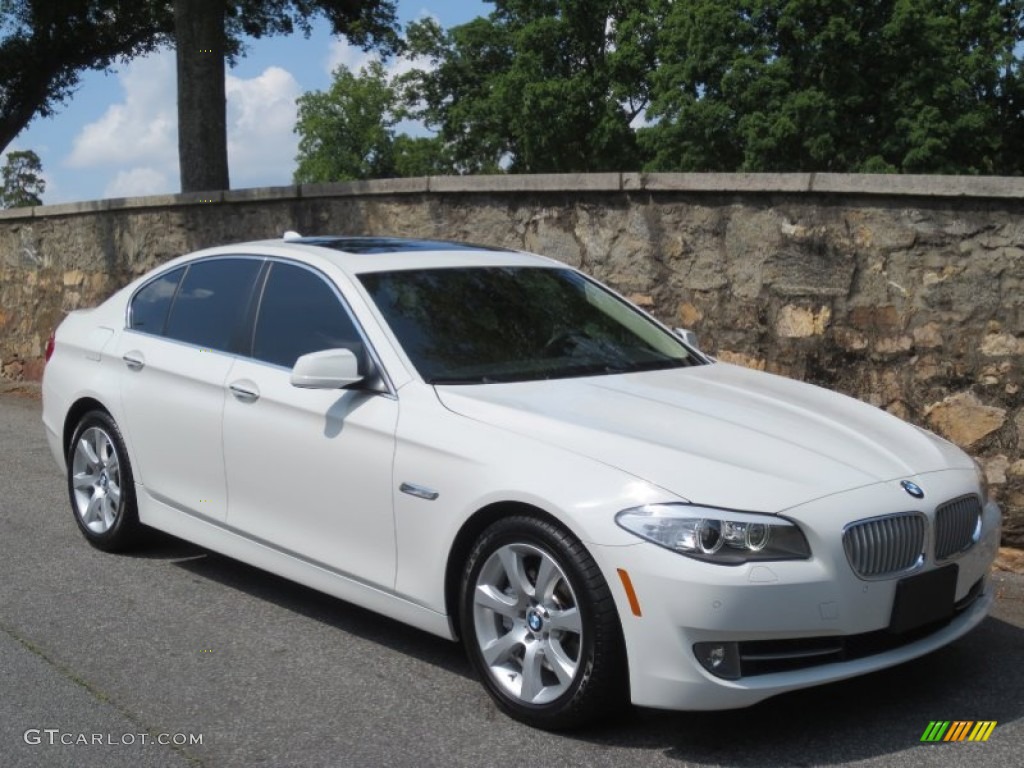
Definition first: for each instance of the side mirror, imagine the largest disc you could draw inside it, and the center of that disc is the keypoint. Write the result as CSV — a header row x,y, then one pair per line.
x,y
329,369
689,337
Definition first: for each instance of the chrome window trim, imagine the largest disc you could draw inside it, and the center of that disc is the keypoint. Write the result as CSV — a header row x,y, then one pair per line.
x,y
162,273
371,351
385,377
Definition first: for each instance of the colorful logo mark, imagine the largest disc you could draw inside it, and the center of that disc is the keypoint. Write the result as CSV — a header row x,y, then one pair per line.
x,y
958,730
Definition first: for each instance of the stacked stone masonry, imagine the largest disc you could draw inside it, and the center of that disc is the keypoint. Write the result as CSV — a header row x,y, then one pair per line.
x,y
906,292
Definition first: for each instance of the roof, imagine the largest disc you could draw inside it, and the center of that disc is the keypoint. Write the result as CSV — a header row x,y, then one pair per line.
x,y
389,244
359,255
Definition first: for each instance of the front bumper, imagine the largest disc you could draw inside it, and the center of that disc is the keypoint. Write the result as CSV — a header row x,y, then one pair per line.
x,y
816,603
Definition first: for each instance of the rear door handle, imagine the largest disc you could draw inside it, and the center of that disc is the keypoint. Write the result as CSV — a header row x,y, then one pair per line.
x,y
134,360
244,391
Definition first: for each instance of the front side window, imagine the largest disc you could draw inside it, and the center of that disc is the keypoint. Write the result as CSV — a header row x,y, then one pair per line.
x,y
212,301
489,324
152,303
299,313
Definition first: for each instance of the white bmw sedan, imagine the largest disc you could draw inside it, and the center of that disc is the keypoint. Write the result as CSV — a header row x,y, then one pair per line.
x,y
491,446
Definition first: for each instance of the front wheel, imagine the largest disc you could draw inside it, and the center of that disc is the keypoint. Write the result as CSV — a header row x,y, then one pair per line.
x,y
101,486
540,625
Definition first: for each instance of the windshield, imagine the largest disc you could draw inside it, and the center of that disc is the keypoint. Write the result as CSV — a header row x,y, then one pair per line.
x,y
479,325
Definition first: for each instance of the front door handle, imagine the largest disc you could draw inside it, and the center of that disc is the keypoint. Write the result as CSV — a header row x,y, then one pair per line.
x,y
134,360
244,391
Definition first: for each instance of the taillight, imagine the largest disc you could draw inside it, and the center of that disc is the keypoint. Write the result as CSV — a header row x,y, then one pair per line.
x,y
50,342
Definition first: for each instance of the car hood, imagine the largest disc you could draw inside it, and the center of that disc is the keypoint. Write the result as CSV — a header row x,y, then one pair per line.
x,y
716,434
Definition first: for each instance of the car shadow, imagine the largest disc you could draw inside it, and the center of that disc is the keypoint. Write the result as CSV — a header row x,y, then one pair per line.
x,y
976,678
979,677
307,602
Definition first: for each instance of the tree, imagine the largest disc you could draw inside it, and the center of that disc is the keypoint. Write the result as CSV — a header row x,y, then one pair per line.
x,y
208,31
200,52
421,156
538,85
348,132
23,184
787,85
45,46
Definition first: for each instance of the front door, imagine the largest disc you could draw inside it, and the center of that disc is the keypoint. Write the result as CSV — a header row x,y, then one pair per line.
x,y
309,471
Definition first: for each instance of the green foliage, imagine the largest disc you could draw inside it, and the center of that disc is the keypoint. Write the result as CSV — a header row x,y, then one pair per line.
x,y
365,23
420,156
538,85
916,86
909,86
23,183
45,45
347,132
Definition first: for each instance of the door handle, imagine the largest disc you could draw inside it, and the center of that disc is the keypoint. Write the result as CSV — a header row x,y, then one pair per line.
x,y
134,360
244,391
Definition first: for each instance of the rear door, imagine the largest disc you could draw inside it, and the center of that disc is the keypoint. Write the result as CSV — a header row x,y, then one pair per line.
x,y
184,330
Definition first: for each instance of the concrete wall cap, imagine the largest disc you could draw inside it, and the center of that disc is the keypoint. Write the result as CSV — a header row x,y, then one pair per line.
x,y
746,183
260,193
410,186
537,182
67,209
726,182
17,213
918,185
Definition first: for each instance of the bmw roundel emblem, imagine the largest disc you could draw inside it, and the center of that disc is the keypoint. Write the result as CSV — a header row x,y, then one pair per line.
x,y
913,489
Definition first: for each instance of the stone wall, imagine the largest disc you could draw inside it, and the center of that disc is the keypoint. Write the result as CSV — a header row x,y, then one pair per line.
x,y
907,292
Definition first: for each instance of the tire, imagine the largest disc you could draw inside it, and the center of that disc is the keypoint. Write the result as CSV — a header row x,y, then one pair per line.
x,y
101,486
540,626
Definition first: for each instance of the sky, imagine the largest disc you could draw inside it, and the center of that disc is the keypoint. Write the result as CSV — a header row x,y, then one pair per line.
x,y
117,136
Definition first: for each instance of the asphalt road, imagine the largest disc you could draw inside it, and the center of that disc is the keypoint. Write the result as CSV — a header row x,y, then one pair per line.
x,y
181,644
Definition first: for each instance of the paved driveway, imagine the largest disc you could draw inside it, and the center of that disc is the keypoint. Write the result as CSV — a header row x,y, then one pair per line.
x,y
177,643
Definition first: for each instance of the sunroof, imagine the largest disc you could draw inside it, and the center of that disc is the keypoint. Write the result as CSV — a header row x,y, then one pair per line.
x,y
389,244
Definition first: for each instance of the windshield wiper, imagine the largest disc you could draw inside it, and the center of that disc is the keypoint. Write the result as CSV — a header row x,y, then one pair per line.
x,y
464,380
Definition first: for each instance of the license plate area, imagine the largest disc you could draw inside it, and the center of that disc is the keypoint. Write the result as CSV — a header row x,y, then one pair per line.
x,y
924,599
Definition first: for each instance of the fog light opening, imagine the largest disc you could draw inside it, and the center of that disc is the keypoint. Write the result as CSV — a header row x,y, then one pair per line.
x,y
720,659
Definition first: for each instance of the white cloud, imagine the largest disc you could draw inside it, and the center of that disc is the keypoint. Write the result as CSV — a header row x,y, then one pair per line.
x,y
640,121
141,128
341,52
136,139
261,119
138,182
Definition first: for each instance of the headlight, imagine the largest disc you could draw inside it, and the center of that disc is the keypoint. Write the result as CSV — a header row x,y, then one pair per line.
x,y
982,481
716,535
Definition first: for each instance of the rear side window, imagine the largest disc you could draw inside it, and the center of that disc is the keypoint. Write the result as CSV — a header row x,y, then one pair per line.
x,y
300,313
151,305
212,301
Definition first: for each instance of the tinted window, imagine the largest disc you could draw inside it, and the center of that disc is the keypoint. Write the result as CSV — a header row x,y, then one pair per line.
x,y
212,301
486,324
299,314
151,304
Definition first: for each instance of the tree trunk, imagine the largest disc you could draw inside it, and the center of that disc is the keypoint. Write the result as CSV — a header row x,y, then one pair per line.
x,y
202,104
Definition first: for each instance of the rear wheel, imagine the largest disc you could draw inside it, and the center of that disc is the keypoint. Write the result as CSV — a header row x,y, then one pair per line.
x,y
100,484
540,625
